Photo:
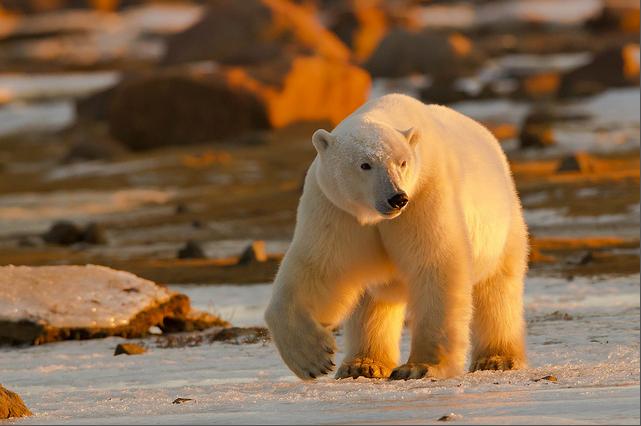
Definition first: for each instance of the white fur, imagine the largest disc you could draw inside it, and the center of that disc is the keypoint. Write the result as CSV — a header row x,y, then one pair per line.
x,y
454,257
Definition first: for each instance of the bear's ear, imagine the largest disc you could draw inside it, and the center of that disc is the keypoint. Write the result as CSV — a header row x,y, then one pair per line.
x,y
411,135
322,139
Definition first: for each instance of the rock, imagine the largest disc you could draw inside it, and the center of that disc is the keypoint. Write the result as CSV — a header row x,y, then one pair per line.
x,y
613,67
94,233
255,252
536,134
359,24
549,378
67,233
251,32
232,335
193,321
241,335
181,108
52,303
187,106
129,349
450,417
191,250
617,15
586,259
578,162
63,233
403,52
11,405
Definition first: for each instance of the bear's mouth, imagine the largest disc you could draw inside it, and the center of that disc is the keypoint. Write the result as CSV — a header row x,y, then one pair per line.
x,y
389,213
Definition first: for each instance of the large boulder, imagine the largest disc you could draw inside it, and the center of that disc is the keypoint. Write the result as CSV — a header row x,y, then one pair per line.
x,y
251,31
51,303
404,52
11,405
613,67
182,107
617,15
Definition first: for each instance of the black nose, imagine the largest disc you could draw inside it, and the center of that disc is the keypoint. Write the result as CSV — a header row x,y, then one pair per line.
x,y
399,200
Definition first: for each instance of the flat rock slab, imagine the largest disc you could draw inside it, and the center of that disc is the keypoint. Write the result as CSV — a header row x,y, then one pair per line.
x,y
51,303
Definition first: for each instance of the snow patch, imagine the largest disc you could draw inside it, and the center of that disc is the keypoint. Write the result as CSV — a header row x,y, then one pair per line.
x,y
75,296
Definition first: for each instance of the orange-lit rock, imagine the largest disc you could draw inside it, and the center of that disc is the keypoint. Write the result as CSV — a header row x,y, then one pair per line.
x,y
251,31
617,15
316,89
541,85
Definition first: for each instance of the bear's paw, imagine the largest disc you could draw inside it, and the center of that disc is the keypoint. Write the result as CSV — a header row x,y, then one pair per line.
x,y
363,367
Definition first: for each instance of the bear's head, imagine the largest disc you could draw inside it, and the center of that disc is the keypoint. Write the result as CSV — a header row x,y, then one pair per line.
x,y
369,170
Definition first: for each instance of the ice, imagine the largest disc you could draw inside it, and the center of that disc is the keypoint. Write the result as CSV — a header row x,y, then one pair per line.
x,y
594,355
75,296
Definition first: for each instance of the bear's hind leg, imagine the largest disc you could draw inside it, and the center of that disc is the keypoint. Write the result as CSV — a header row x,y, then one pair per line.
x,y
498,328
372,332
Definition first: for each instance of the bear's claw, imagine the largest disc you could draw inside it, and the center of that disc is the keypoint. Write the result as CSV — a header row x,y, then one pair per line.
x,y
495,362
410,371
362,367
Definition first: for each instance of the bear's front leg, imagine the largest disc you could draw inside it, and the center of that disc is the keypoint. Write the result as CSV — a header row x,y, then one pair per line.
x,y
440,311
308,300
372,334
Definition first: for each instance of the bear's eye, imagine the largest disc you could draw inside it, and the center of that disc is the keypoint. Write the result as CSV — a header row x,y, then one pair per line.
x,y
365,166
404,163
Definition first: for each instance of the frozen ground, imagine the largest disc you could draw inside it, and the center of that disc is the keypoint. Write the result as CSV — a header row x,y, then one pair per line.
x,y
585,332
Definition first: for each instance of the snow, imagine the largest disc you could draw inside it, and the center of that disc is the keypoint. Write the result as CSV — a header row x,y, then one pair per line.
x,y
594,355
461,15
34,212
73,84
45,116
75,296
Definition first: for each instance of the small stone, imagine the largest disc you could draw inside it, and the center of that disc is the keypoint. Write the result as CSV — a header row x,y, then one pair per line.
x,y
536,136
181,400
577,162
182,208
95,234
255,252
129,349
587,258
549,378
63,233
450,417
191,250
11,405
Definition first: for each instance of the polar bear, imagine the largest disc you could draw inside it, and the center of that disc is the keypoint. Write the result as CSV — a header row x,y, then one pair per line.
x,y
407,209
